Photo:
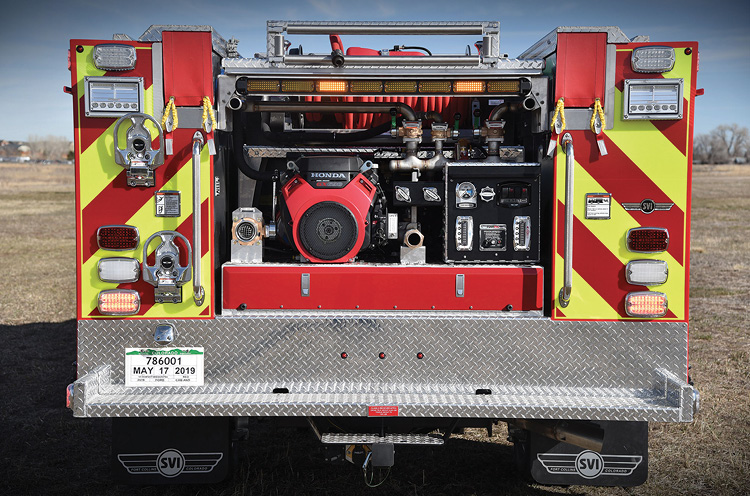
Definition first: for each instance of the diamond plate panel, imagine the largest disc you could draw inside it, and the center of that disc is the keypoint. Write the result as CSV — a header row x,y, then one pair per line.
x,y
534,367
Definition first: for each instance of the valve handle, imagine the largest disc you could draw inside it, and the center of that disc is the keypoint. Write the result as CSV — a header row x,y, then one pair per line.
x,y
167,248
139,142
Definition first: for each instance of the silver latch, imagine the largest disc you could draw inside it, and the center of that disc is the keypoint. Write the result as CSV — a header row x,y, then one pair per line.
x,y
305,284
459,285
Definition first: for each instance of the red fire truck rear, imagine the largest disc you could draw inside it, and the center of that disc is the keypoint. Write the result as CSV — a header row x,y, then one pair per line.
x,y
387,245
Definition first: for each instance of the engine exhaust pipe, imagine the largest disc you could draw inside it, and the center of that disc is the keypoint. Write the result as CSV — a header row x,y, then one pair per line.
x,y
582,434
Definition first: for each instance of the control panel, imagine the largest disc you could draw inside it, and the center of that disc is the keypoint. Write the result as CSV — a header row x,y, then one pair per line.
x,y
494,215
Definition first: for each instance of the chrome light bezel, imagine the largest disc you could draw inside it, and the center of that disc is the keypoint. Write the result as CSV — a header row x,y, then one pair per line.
x,y
640,57
659,107
119,260
646,293
114,57
634,263
120,291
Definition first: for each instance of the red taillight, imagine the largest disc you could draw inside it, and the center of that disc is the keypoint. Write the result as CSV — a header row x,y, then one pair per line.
x,y
119,302
646,304
117,238
648,239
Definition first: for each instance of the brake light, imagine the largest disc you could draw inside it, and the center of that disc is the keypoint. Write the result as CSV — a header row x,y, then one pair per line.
x,y
119,302
646,304
648,239
117,238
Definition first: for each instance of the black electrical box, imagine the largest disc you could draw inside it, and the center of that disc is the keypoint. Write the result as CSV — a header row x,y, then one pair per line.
x,y
492,212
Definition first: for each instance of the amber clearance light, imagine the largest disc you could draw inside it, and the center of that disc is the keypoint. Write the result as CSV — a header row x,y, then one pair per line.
x,y
646,304
119,302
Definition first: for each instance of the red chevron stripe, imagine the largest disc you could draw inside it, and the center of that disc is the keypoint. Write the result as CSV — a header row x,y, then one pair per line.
x,y
674,130
185,228
118,202
595,263
90,128
619,175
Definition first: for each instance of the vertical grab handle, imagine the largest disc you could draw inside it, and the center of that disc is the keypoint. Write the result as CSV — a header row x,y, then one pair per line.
x,y
198,293
567,289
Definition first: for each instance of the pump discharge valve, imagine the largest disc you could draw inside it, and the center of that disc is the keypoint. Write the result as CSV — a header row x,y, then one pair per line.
x,y
167,275
138,158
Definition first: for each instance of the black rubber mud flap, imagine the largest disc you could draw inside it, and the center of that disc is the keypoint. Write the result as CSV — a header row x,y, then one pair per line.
x,y
623,460
170,450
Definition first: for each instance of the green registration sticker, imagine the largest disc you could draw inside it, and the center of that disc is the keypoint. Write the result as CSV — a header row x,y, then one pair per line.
x,y
163,367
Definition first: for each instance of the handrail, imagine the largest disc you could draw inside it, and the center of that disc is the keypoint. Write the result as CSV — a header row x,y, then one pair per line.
x,y
567,289
198,293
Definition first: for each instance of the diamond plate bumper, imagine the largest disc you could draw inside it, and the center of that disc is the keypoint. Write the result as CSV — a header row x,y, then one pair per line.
x,y
533,367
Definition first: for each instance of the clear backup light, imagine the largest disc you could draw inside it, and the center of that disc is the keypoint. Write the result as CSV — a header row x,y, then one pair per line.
x,y
652,59
114,57
119,302
648,239
646,304
646,272
119,269
117,238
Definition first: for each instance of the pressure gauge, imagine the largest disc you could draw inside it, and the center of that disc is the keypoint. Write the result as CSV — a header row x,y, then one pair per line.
x,y
466,195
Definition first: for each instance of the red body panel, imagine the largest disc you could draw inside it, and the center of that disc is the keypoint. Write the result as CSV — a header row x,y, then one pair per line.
x,y
367,287
187,67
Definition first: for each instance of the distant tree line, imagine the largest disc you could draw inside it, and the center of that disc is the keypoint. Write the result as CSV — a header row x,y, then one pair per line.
x,y
728,143
49,147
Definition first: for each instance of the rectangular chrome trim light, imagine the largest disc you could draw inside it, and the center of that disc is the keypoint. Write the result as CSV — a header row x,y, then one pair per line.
x,y
119,269
652,99
646,304
646,272
119,302
114,57
112,96
652,59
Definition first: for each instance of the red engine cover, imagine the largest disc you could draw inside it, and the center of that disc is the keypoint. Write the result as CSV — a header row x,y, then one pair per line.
x,y
328,225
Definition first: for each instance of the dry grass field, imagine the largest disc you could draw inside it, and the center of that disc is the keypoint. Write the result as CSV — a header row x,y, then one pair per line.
x,y
43,450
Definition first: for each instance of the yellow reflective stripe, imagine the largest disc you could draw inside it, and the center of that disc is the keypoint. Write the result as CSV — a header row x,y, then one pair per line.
x,y
585,302
613,232
653,153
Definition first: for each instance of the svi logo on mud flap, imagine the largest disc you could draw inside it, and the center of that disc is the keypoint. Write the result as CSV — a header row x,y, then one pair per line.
x,y
170,463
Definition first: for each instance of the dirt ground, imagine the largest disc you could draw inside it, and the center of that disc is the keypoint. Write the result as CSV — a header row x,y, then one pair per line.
x,y
44,450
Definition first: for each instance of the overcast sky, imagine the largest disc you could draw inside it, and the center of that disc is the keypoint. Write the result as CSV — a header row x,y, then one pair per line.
x,y
34,38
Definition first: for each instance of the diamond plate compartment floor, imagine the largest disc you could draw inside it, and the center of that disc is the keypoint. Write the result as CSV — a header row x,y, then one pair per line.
x,y
533,367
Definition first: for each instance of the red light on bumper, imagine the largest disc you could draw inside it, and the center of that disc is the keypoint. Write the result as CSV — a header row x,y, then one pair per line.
x,y
646,304
117,238
648,239
119,302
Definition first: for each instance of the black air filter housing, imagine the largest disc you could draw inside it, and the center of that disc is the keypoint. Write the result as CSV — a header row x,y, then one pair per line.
x,y
329,171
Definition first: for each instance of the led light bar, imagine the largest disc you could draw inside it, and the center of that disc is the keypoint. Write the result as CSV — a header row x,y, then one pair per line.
x,y
400,86
262,86
117,238
646,272
648,239
119,302
468,87
297,86
504,86
119,269
646,304
114,57
332,86
434,86
365,86
652,59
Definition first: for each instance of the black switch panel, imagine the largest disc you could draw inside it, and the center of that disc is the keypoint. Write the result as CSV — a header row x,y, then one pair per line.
x,y
502,225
